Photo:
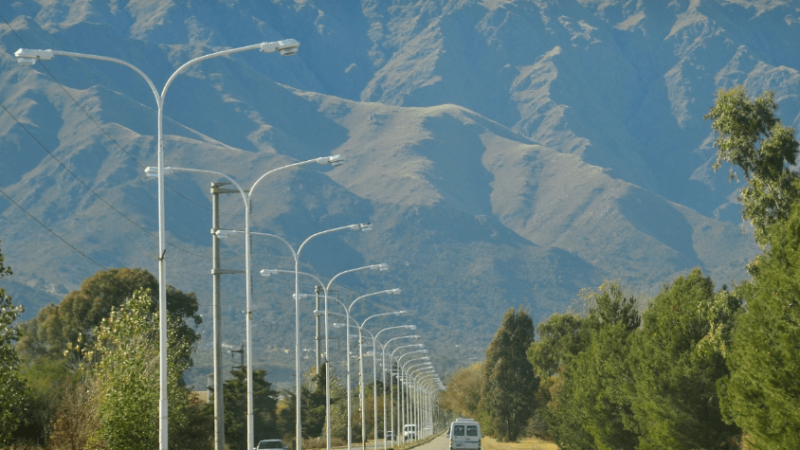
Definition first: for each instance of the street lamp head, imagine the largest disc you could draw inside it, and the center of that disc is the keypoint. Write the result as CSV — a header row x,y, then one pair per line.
x,y
28,57
411,327
286,47
400,313
361,226
338,325
395,291
152,172
266,272
334,160
295,296
222,234
382,267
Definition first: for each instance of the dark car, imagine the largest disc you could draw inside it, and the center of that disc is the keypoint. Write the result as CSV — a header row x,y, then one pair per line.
x,y
273,444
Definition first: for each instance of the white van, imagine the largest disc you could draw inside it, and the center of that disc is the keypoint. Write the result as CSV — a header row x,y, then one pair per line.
x,y
465,434
410,431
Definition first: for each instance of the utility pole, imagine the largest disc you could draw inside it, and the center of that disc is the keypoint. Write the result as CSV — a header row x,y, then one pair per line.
x,y
318,290
216,271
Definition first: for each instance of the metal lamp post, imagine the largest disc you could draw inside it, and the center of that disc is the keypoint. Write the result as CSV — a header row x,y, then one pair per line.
x,y
347,310
296,255
246,198
326,289
29,57
383,374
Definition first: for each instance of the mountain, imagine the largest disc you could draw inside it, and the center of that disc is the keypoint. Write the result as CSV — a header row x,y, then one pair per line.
x,y
508,153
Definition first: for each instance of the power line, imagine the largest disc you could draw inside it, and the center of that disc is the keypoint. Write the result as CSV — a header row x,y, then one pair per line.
x,y
100,127
52,232
84,183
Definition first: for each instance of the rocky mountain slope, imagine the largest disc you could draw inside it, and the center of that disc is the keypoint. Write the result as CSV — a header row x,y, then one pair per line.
x,y
508,152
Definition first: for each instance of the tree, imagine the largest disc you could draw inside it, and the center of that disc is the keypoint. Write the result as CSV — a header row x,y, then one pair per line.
x,y
676,403
80,311
123,363
265,402
463,392
585,358
753,139
13,392
509,384
761,393
600,377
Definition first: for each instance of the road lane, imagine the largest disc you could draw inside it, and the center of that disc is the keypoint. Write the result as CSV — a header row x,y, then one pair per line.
x,y
438,443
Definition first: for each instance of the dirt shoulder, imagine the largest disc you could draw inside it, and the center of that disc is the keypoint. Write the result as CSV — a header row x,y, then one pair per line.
x,y
488,443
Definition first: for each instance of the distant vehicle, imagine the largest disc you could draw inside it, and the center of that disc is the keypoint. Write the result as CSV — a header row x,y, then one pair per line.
x,y
390,435
409,431
271,444
465,434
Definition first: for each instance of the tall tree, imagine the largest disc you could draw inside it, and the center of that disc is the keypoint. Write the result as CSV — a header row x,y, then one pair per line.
x,y
509,384
82,310
752,138
761,393
600,377
264,408
123,363
13,392
463,391
676,404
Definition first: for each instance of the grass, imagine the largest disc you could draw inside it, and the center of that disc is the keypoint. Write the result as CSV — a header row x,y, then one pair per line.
x,y
530,443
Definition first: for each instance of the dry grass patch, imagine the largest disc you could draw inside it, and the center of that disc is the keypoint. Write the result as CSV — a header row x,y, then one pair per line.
x,y
530,443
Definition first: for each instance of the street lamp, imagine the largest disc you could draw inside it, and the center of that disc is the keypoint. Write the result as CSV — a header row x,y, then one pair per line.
x,y
28,57
383,374
326,289
406,395
246,198
296,255
347,320
391,378
360,328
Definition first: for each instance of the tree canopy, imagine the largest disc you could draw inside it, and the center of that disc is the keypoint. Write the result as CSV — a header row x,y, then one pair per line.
x,y
752,138
80,311
509,383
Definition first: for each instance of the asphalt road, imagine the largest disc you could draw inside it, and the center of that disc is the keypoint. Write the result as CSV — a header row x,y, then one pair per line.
x,y
438,443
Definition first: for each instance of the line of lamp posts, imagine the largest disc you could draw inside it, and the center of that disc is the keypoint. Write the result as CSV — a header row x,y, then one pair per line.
x,y
420,381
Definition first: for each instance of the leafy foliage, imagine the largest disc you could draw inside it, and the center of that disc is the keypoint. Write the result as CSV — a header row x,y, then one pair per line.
x,y
509,383
80,311
676,403
463,391
123,362
761,393
753,139
586,360
13,392
264,405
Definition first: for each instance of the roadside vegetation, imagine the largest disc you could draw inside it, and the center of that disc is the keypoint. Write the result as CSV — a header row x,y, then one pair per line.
x,y
698,367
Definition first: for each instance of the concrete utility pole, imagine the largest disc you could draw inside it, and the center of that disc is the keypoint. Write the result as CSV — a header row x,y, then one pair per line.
x,y
216,271
318,290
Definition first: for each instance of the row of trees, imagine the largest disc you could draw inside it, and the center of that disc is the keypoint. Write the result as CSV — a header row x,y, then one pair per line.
x,y
696,368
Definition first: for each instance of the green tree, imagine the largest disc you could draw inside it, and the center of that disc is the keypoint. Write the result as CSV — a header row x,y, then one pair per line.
x,y
264,408
123,363
761,393
676,403
80,311
13,392
585,358
463,391
751,137
509,384
600,377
